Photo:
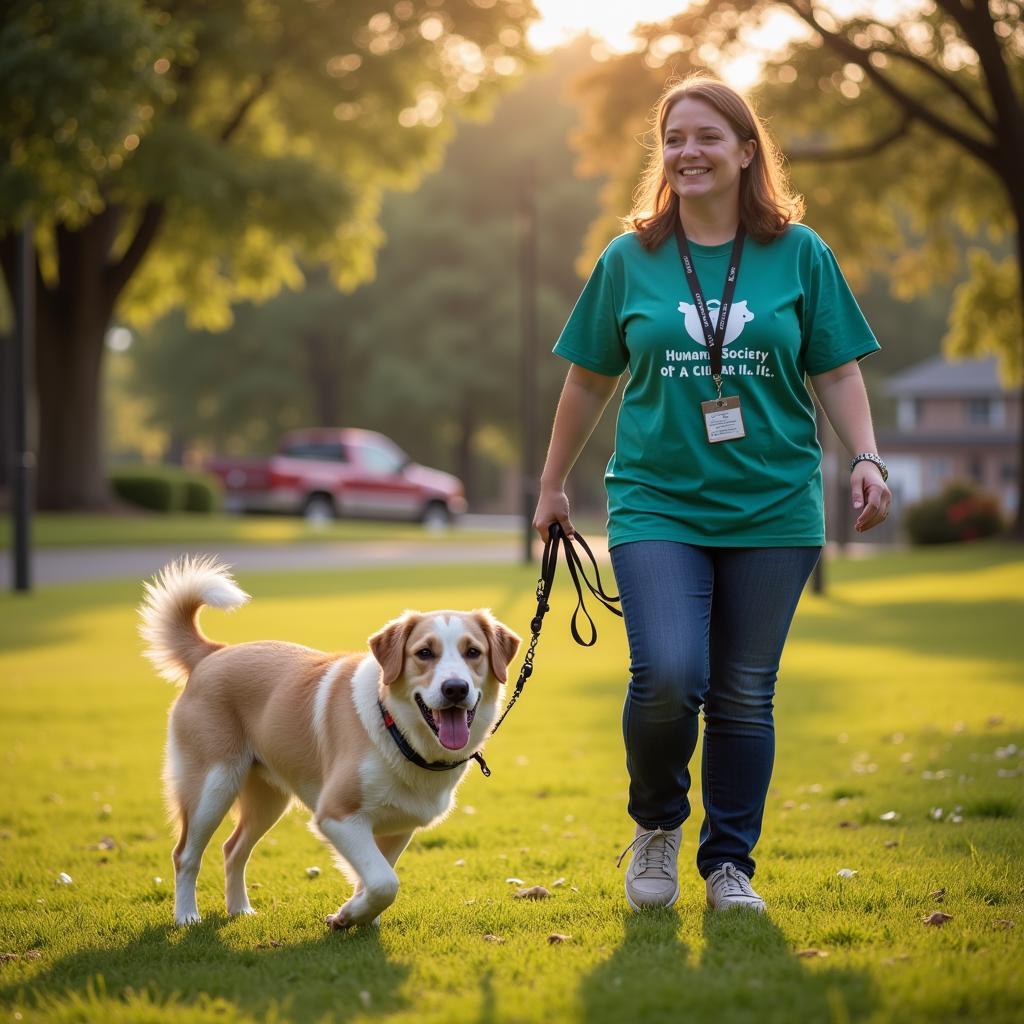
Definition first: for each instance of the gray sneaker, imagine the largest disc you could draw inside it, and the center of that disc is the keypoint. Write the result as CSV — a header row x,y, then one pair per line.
x,y
652,878
728,887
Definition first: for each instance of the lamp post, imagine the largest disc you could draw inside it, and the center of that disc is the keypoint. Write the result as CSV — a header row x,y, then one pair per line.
x,y
22,457
528,350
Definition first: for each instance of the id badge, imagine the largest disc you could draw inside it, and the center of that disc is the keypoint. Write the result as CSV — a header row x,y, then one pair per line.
x,y
723,419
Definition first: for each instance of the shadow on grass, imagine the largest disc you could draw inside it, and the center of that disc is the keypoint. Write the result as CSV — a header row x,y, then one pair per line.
x,y
342,975
746,971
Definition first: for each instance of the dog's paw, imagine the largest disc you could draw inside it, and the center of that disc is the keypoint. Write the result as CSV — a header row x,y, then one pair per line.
x,y
339,921
186,919
242,912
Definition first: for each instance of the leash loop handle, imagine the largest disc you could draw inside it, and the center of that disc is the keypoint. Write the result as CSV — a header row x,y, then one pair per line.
x,y
577,572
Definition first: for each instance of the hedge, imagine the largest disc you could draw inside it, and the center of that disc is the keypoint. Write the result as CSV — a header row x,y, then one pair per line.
x,y
961,512
167,488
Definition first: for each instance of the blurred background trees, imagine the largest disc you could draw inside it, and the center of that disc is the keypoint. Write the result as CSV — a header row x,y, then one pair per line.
x,y
180,153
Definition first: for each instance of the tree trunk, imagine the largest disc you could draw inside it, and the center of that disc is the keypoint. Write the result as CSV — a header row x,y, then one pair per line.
x,y
323,378
1017,530
69,360
464,463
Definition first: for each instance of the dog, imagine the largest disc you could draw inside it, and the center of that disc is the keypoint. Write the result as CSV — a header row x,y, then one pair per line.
x,y
260,723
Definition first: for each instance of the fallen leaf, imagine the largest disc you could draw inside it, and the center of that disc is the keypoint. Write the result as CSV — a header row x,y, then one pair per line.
x,y
535,892
554,939
6,958
892,842
846,872
557,881
469,809
889,816
365,998
809,954
849,824
898,958
994,720
515,881
460,863
938,919
470,903
33,954
573,888
65,879
493,938
938,895
1003,923
312,872
270,944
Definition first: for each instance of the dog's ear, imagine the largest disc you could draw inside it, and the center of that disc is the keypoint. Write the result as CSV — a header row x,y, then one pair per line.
x,y
502,642
388,645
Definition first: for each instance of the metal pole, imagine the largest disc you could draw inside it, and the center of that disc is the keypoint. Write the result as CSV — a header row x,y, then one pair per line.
x,y
528,328
21,352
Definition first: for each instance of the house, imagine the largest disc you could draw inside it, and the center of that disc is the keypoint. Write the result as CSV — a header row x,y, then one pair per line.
x,y
956,421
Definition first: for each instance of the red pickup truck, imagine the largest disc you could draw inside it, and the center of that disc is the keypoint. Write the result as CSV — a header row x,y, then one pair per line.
x,y
325,473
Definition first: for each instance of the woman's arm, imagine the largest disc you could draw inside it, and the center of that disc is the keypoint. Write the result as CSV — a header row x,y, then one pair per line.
x,y
842,395
584,397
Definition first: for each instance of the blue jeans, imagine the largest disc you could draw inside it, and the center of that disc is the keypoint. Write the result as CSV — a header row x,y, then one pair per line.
x,y
706,627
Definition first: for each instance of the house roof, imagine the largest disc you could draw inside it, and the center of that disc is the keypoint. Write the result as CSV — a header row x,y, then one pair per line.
x,y
939,376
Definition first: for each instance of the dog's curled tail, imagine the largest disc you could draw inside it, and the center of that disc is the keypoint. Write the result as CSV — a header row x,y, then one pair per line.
x,y
170,613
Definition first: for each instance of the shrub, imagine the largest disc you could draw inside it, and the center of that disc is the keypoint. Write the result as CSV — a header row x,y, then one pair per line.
x,y
961,512
166,488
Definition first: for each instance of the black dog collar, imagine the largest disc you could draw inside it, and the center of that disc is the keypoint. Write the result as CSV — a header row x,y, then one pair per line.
x,y
403,745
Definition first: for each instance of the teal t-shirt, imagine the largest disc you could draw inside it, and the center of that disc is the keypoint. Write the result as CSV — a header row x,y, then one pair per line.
x,y
793,314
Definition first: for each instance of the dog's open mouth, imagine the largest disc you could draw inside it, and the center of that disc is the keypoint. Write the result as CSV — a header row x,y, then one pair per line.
x,y
450,725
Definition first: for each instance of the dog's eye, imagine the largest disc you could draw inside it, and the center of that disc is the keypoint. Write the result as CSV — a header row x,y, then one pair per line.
x,y
473,652
424,654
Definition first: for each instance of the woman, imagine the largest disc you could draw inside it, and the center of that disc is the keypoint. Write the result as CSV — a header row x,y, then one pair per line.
x,y
714,489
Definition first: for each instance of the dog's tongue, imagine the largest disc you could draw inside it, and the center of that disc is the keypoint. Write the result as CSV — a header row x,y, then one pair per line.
x,y
452,728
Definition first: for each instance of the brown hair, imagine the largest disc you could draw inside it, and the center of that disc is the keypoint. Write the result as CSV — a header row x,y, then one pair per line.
x,y
767,205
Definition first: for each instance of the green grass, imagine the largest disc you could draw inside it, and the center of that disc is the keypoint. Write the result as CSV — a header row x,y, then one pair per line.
x,y
76,529
900,691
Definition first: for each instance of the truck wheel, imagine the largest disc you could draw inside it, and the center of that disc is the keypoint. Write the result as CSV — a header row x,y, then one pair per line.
x,y
436,516
319,509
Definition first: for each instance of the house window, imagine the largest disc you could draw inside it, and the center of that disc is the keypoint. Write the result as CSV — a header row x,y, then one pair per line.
x,y
976,468
1009,473
979,411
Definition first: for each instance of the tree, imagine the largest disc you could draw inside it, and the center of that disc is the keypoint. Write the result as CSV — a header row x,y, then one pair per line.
x,y
429,351
182,152
906,138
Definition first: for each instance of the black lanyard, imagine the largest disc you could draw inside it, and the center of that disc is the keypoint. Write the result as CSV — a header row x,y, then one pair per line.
x,y
715,337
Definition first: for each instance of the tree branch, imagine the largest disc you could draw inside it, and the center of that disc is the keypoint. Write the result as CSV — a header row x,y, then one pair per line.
x,y
243,108
949,83
822,156
118,274
845,48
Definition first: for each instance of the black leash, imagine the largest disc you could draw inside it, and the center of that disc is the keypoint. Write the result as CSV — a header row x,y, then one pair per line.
x,y
549,561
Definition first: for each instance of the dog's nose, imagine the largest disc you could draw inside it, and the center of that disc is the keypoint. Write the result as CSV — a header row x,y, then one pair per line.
x,y
455,690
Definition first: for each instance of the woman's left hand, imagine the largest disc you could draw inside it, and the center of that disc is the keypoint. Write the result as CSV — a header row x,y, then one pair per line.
x,y
870,495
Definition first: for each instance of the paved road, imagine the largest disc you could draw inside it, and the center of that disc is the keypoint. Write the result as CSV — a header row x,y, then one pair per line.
x,y
72,565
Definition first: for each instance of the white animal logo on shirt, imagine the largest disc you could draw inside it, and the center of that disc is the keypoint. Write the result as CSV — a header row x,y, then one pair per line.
x,y
738,316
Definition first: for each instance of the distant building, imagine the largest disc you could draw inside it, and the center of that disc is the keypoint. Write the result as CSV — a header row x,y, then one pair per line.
x,y
956,421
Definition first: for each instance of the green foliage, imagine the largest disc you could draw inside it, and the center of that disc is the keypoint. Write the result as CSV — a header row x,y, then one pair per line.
x,y
961,512
266,134
88,802
167,489
986,312
429,351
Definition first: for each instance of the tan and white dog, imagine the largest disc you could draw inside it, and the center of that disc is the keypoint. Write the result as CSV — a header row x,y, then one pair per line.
x,y
260,722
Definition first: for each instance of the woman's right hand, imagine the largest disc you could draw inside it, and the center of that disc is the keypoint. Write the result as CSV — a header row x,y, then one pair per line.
x,y
552,507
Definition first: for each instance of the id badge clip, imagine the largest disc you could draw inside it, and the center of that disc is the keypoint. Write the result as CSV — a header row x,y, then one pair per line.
x,y
723,419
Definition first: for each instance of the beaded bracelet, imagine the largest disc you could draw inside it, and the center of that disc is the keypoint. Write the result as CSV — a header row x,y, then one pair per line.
x,y
870,457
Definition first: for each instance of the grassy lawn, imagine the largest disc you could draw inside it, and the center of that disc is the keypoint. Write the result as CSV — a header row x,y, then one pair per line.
x,y
900,694
51,530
